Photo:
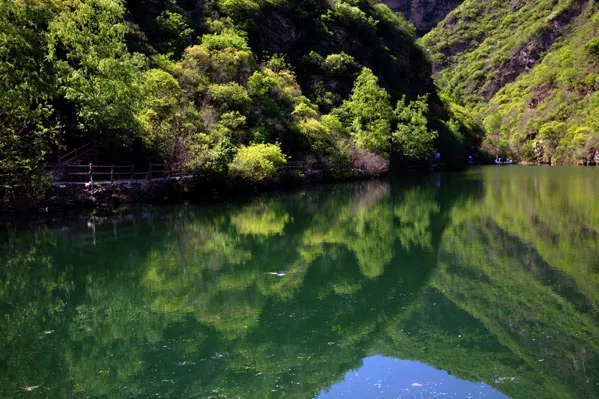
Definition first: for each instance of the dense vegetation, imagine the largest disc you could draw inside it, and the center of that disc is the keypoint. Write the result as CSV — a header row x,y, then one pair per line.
x,y
232,90
215,86
529,70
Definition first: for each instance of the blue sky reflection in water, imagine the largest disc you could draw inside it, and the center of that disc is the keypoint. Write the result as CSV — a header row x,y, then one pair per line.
x,y
491,275
382,377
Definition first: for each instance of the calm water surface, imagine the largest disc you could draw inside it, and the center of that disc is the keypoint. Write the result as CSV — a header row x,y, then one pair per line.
x,y
483,284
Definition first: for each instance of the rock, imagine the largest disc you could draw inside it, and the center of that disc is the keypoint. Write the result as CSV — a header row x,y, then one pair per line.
x,y
424,14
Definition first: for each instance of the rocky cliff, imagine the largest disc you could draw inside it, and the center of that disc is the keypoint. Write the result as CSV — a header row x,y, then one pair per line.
x,y
424,14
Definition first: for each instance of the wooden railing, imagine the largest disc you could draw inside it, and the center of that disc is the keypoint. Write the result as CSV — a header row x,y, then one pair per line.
x,y
77,152
91,173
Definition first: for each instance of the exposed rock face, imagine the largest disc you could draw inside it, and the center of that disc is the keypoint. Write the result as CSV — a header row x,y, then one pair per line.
x,y
526,56
424,14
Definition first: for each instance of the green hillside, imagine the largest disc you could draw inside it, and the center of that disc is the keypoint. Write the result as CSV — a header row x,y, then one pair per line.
x,y
229,89
529,70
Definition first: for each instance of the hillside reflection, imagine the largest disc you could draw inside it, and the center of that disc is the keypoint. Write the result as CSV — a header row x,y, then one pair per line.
x,y
491,275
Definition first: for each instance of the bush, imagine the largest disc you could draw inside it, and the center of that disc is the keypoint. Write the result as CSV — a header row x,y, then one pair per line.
x,y
230,96
316,133
592,47
258,163
338,64
349,14
385,14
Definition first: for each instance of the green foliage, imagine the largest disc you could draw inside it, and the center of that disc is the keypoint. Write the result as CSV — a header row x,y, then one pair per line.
x,y
98,76
191,83
384,13
230,96
28,128
539,113
165,117
348,12
412,135
338,64
258,163
240,10
524,69
173,28
369,114
593,46
230,56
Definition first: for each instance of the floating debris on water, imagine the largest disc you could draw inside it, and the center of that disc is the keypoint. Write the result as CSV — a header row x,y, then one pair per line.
x,y
504,379
186,363
278,274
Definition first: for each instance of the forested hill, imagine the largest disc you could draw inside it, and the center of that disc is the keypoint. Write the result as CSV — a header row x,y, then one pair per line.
x,y
229,89
529,70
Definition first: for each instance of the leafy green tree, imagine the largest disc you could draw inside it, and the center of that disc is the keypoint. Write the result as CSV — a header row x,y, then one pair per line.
x,y
550,136
97,73
258,163
167,119
229,56
369,114
412,135
28,128
175,31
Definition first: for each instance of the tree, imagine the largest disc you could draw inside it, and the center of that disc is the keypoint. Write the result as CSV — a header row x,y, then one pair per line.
x,y
369,114
97,73
550,134
258,163
166,118
28,128
412,136
174,31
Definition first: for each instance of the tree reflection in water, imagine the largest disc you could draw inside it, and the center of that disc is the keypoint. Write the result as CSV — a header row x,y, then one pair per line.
x,y
491,275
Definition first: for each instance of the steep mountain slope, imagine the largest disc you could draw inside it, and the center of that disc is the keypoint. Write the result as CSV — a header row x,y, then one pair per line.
x,y
424,14
529,69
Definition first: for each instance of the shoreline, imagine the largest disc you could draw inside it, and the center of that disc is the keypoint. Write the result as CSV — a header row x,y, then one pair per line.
x,y
108,198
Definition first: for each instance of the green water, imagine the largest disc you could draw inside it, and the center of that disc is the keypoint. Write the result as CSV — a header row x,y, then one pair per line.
x,y
465,285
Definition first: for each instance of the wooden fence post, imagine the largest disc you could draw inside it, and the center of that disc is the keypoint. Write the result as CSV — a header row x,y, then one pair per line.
x,y
91,177
149,175
131,172
112,174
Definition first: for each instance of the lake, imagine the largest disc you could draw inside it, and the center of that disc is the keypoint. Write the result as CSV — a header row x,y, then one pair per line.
x,y
480,284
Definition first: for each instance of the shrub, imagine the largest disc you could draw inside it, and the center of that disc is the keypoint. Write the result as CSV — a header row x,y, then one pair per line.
x,y
385,14
231,96
258,163
592,47
316,133
338,64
